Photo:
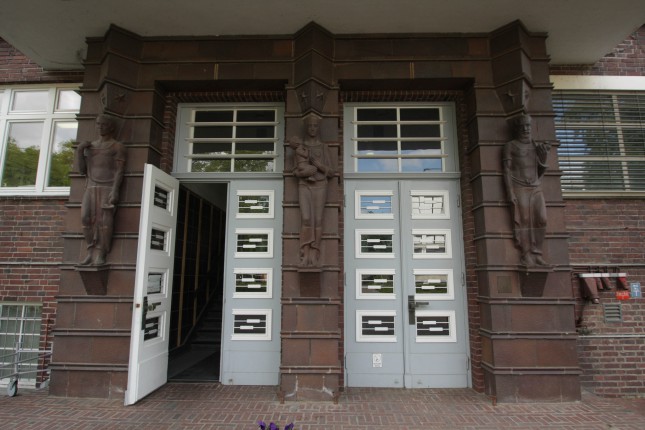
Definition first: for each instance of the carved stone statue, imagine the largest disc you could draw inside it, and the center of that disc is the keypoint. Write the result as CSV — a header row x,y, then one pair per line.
x,y
313,168
102,162
524,163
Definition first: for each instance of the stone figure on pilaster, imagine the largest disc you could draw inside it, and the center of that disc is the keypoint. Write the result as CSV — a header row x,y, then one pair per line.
x,y
524,164
102,161
313,169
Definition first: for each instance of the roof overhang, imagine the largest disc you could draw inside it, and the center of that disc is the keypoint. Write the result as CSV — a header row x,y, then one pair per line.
x,y
53,32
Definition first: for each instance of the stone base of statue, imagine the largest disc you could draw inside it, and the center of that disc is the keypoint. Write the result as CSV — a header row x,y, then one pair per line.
x,y
95,278
533,280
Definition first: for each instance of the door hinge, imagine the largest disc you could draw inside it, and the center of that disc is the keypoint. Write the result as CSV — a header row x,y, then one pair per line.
x,y
463,279
467,363
458,200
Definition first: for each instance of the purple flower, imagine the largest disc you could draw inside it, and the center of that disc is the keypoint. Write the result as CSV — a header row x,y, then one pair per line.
x,y
262,425
288,427
272,426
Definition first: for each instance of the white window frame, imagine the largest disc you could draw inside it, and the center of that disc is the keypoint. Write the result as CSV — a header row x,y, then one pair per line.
x,y
447,138
609,85
49,117
184,139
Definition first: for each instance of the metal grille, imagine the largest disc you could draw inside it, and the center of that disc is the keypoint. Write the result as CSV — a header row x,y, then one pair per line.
x,y
613,312
602,140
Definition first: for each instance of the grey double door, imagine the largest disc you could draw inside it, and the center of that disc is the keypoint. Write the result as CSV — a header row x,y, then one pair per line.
x,y
405,318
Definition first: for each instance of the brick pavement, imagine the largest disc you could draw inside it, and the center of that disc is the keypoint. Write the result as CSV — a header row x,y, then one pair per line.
x,y
212,406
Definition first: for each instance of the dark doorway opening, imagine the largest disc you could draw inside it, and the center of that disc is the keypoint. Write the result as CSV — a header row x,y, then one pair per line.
x,y
196,318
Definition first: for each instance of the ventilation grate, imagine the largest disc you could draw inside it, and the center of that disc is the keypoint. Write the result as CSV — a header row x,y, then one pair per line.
x,y
613,312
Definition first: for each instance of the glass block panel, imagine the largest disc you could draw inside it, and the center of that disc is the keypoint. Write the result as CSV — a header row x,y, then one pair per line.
x,y
251,324
158,240
374,204
256,282
254,243
433,284
375,284
431,243
155,283
429,204
375,244
255,204
151,329
435,326
375,326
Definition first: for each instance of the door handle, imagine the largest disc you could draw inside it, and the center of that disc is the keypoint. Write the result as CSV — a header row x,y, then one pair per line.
x,y
412,306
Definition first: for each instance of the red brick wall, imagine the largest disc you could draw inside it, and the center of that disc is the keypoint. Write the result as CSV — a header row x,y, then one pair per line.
x,y
30,251
609,233
30,228
626,59
15,68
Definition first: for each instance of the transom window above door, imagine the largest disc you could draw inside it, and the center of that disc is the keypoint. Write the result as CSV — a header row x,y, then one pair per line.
x,y
409,138
228,139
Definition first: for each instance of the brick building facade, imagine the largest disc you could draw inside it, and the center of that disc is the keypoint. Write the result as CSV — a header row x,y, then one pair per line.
x,y
146,81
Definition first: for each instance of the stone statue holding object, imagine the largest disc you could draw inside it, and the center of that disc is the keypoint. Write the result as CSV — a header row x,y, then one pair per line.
x,y
313,170
102,161
524,164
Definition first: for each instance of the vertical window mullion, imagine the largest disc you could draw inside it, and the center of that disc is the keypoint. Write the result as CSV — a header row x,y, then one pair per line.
x,y
398,139
620,142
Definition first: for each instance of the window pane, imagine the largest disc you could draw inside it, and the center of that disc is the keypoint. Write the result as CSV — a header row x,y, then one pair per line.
x,y
424,114
214,116
213,132
30,101
256,115
421,130
255,131
253,165
62,155
205,166
254,148
421,148
22,152
377,165
411,165
68,100
380,115
212,148
377,148
377,130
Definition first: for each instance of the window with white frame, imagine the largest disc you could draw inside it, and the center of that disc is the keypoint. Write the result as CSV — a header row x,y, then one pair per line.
x,y
38,128
602,140
229,138
19,339
403,138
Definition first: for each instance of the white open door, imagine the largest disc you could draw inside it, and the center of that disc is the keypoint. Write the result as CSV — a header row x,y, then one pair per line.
x,y
148,366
